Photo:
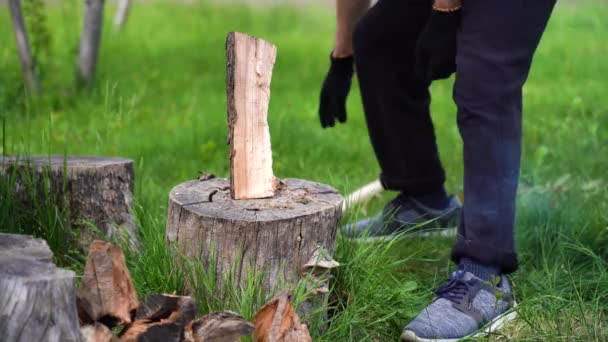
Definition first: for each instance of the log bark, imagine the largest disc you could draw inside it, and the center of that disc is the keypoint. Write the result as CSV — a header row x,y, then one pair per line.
x,y
220,327
273,237
97,190
28,66
162,318
249,71
122,13
90,41
106,293
37,301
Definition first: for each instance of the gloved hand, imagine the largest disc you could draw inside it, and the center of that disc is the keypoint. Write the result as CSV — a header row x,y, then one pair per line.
x,y
335,90
436,46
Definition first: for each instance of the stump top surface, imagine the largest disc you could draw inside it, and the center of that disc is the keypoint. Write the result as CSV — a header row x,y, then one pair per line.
x,y
25,268
56,161
294,198
25,246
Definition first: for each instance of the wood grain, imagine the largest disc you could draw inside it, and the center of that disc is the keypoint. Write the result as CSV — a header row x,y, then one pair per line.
x,y
249,63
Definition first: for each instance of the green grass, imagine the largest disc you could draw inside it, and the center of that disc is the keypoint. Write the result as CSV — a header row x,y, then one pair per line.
x,y
159,98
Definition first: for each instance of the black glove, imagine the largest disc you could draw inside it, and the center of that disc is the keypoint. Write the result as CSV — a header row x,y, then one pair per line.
x,y
335,90
436,46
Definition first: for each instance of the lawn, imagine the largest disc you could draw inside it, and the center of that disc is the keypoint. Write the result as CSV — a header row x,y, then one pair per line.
x,y
159,98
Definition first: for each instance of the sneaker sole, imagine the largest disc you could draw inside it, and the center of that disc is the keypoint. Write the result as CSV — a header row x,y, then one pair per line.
x,y
495,325
435,232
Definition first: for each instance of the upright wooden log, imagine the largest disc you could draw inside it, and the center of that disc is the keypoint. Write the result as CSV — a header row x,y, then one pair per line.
x,y
28,66
249,71
25,246
90,40
274,237
106,293
96,190
37,299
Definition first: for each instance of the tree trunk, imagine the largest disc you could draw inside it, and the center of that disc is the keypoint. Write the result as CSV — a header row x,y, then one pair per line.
x,y
122,13
90,40
273,236
37,299
96,190
23,46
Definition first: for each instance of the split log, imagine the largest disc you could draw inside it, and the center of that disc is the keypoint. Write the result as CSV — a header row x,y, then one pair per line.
x,y
37,301
97,333
90,40
106,293
28,66
161,318
273,236
121,14
220,327
97,190
249,71
277,321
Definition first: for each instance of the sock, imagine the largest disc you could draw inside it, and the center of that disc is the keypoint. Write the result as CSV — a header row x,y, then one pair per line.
x,y
484,272
437,199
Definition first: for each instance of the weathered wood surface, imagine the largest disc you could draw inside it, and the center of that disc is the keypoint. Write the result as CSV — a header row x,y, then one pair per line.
x,y
25,246
96,189
97,332
162,318
90,40
106,293
220,327
23,47
276,235
277,321
249,63
37,299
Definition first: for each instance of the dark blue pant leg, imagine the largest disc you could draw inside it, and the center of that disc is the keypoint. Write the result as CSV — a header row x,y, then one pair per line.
x,y
496,43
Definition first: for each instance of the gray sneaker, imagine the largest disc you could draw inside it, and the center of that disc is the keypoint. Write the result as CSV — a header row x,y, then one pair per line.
x,y
406,214
465,307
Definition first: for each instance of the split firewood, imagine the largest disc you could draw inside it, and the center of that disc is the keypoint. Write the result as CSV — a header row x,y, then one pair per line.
x,y
219,327
106,293
97,333
277,321
161,318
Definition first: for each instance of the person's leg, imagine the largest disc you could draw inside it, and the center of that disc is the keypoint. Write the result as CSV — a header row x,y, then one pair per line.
x,y
496,42
495,48
396,103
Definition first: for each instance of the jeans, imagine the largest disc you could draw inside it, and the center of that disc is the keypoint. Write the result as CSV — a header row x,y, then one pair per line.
x,y
496,42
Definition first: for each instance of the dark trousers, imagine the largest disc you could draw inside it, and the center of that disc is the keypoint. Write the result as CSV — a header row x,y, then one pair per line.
x,y
496,43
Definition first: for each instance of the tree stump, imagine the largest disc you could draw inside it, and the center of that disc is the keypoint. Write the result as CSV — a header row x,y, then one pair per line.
x,y
37,299
274,236
98,190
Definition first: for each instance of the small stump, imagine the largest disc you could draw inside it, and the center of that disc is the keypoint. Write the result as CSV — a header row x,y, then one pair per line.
x,y
37,299
274,236
94,189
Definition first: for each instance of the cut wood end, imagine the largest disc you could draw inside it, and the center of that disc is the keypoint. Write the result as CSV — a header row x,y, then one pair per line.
x,y
220,327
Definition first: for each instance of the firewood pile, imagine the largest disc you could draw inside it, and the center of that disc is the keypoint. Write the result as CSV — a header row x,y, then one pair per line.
x,y
109,310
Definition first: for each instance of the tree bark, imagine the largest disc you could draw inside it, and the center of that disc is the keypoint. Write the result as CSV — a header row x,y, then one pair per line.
x,y
37,299
90,40
23,46
96,190
249,63
273,236
122,12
